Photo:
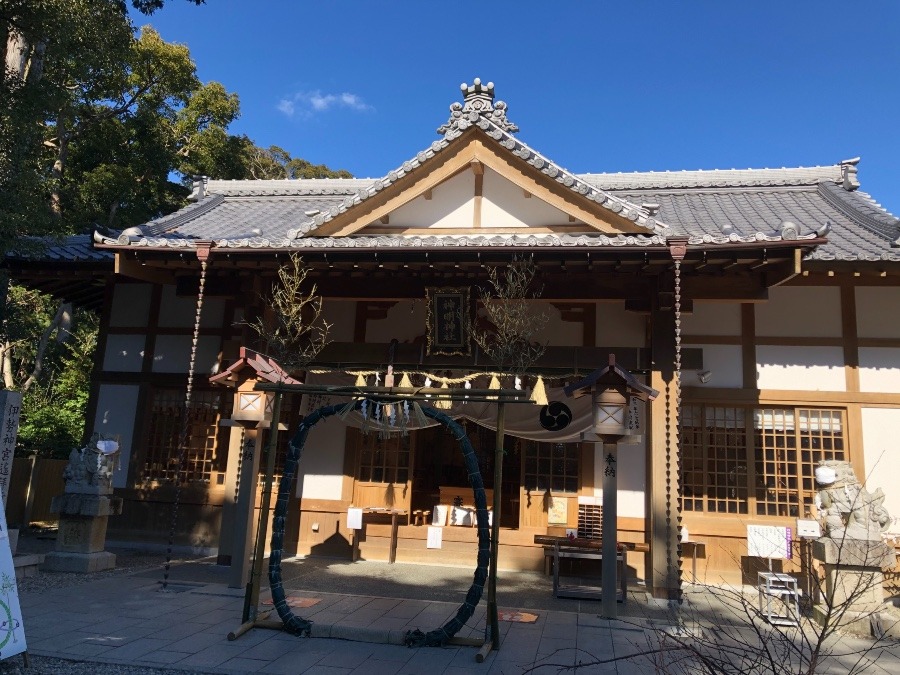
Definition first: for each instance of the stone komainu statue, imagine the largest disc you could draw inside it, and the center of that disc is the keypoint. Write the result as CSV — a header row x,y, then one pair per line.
x,y
92,465
846,508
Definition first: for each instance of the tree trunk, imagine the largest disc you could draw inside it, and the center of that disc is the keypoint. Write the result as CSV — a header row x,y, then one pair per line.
x,y
16,56
59,167
6,365
61,312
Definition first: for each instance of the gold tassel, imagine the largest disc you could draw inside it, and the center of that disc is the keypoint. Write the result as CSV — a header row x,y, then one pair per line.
x,y
443,404
495,383
405,382
539,394
360,380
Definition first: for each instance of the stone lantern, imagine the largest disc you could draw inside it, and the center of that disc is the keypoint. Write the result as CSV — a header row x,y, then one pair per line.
x,y
252,411
614,394
84,509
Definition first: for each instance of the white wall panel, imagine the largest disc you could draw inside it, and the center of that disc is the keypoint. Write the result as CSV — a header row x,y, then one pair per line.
x,y
873,307
124,353
321,468
723,364
451,205
801,368
712,318
879,369
800,312
341,314
504,204
116,412
618,328
405,321
173,354
180,311
882,457
130,305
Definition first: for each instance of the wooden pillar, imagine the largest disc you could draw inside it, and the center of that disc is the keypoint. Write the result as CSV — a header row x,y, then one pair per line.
x,y
662,450
610,526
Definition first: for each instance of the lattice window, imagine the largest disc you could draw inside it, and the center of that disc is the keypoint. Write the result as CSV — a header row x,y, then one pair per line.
x,y
789,445
551,466
756,460
202,457
714,464
384,460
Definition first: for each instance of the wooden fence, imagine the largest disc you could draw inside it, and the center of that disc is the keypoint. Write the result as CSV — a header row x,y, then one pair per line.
x,y
34,482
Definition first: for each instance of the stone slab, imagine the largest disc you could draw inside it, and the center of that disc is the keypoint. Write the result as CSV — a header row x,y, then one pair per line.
x,y
80,504
854,552
81,534
62,561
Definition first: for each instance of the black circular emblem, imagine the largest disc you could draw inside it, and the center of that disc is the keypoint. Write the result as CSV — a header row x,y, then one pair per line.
x,y
555,416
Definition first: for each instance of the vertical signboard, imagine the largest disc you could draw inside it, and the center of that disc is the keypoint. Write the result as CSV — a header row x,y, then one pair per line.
x,y
12,630
10,407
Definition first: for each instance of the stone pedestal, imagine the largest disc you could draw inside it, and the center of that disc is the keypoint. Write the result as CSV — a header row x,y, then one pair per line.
x,y
82,532
853,594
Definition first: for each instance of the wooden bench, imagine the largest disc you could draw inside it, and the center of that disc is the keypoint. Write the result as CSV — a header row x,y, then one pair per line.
x,y
564,547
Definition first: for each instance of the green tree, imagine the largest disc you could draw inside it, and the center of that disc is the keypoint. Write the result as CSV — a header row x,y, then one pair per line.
x,y
52,372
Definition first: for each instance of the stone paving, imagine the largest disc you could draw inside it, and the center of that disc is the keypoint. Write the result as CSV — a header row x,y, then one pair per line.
x,y
127,620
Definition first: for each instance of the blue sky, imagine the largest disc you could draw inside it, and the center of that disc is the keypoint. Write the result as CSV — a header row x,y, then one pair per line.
x,y
595,86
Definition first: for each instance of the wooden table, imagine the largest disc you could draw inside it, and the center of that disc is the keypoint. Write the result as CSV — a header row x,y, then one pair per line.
x,y
564,547
377,510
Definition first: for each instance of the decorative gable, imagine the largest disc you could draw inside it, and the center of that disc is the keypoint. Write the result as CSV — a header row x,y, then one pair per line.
x,y
476,178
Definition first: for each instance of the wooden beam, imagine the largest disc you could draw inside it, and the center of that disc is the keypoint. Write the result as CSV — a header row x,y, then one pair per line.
x,y
136,270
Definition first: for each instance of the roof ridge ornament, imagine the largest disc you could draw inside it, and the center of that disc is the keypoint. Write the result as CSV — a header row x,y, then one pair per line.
x,y
478,101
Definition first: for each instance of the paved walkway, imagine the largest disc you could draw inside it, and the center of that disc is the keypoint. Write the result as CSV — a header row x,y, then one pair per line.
x,y
127,620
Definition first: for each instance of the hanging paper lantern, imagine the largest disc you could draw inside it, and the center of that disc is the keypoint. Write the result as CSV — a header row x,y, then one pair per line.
x,y
539,394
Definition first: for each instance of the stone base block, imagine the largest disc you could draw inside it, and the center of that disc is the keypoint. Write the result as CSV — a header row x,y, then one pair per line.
x,y
81,534
59,561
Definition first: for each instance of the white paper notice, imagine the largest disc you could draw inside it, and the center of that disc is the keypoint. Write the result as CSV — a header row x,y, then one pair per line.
x,y
765,541
435,537
354,518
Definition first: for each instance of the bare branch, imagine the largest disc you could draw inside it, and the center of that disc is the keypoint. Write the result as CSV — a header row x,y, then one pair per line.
x,y
511,339
295,330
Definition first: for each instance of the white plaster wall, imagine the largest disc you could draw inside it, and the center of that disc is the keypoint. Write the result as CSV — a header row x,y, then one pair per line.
x,y
724,365
882,457
558,333
503,204
116,412
341,314
631,478
124,353
130,305
173,354
873,305
405,321
712,318
321,468
618,328
806,368
800,312
180,311
451,205
879,369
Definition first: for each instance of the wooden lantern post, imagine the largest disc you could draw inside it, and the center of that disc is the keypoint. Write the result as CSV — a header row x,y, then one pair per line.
x,y
613,392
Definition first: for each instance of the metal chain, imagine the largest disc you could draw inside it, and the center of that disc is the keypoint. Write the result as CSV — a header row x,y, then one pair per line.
x,y
676,429
185,426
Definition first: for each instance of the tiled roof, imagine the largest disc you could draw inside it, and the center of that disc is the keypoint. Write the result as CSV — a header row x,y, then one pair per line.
x,y
75,248
709,207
